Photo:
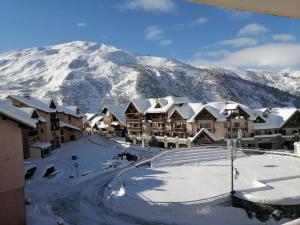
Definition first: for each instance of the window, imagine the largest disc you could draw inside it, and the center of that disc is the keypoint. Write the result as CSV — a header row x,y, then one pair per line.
x,y
236,125
70,118
42,130
225,124
207,125
61,131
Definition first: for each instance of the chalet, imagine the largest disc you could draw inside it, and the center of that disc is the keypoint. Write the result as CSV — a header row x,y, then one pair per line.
x,y
149,117
46,108
34,135
70,122
210,123
114,120
12,122
275,128
94,122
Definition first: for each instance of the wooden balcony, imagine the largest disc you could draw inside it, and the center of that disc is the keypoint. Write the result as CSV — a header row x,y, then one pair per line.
x,y
155,120
158,128
134,128
133,121
179,130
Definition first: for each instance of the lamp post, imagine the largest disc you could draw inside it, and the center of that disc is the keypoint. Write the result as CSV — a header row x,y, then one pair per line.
x,y
232,113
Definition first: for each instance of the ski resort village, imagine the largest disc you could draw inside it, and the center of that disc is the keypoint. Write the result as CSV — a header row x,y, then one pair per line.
x,y
170,159
150,112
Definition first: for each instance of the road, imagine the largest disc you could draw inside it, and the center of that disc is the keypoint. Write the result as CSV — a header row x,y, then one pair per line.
x,y
83,205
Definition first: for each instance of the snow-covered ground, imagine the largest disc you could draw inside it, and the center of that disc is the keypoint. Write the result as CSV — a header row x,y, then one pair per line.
x,y
192,193
77,200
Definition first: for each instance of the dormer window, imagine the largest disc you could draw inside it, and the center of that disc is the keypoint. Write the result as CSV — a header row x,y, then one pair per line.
x,y
259,120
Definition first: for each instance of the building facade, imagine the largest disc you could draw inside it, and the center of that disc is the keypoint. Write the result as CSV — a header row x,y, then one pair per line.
x,y
12,121
176,122
56,124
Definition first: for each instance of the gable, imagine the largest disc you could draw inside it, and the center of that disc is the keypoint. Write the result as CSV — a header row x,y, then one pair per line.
x,y
131,109
176,116
293,121
52,105
204,114
242,112
158,105
203,138
34,114
104,110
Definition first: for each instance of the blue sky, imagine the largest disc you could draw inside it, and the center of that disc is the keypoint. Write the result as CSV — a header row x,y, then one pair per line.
x,y
199,34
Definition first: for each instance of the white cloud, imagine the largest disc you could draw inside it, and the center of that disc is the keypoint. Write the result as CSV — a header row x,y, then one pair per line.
x,y
252,29
283,37
199,21
166,42
267,56
149,5
239,42
213,54
82,24
154,33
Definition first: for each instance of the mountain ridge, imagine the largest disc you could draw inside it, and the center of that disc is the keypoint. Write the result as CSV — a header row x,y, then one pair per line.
x,y
91,75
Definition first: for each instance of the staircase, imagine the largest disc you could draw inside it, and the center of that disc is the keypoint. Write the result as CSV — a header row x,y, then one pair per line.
x,y
186,156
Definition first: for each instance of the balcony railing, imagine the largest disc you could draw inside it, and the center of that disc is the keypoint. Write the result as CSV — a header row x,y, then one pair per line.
x,y
134,128
179,129
133,121
158,128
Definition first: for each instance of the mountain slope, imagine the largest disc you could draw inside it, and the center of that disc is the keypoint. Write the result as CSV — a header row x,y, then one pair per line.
x,y
90,75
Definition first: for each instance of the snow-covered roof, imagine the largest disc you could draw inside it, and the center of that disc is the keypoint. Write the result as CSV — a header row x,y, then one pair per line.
x,y
64,124
89,115
38,103
41,145
117,111
95,120
70,110
209,134
30,111
218,110
166,103
149,105
143,104
187,110
275,118
7,109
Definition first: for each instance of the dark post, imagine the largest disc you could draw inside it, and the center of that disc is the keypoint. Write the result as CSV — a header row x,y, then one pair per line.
x,y
231,146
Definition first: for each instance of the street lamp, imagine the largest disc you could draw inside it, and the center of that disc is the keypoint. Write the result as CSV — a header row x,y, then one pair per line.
x,y
231,113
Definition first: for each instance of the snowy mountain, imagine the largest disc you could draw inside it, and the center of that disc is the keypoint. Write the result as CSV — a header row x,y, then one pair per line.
x,y
89,75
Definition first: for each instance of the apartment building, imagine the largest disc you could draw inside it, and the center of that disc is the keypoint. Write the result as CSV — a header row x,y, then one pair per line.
x,y
12,122
113,121
275,128
56,124
176,122
149,117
